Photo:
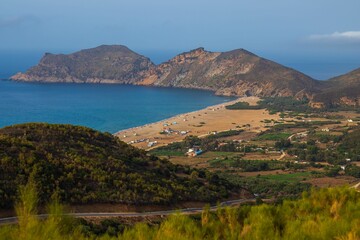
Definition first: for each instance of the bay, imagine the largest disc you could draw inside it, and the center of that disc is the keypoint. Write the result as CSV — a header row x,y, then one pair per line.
x,y
105,107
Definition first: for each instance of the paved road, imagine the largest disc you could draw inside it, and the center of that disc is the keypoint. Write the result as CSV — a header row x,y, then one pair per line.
x,y
12,220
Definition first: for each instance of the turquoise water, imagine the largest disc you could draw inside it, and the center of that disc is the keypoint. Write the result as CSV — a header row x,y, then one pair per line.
x,y
100,106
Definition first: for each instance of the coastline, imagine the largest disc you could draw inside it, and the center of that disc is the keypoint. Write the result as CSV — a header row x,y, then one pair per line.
x,y
209,120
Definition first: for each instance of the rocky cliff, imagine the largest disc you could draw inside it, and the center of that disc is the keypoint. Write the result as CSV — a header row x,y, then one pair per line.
x,y
103,64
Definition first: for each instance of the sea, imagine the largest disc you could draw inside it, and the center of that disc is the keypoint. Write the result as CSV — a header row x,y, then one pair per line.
x,y
114,107
105,107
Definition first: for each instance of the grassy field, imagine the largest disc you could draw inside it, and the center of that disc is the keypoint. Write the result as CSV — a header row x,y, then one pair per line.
x,y
291,177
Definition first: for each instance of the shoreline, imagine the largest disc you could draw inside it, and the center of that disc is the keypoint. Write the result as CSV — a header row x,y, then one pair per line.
x,y
209,120
179,115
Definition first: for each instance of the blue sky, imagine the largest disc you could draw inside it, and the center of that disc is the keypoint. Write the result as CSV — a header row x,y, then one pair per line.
x,y
277,29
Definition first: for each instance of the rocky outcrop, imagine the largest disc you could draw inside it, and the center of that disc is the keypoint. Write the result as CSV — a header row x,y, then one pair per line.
x,y
103,64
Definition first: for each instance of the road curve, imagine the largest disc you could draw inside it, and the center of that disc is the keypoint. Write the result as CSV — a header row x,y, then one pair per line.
x,y
13,220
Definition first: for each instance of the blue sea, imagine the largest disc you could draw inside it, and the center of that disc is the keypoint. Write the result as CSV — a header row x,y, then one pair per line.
x,y
105,107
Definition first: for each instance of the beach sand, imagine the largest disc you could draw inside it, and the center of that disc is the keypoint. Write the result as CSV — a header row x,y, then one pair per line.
x,y
199,123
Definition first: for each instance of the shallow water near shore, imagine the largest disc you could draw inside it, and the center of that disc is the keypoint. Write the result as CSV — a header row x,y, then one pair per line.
x,y
105,107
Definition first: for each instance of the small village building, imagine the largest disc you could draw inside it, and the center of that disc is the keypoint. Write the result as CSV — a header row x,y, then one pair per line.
x,y
194,151
151,144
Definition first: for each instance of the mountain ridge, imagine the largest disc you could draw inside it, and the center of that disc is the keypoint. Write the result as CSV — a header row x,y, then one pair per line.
x,y
233,73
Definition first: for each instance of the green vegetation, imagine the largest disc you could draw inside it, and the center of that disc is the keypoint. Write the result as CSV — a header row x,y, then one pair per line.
x,y
225,134
353,171
281,104
332,213
273,136
276,104
267,187
307,125
291,177
296,107
86,166
350,145
253,165
339,147
162,151
242,105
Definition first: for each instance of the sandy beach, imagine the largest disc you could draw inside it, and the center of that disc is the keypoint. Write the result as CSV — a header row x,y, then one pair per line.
x,y
199,123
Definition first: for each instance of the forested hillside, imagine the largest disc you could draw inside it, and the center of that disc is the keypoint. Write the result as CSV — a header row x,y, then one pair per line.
x,y
87,166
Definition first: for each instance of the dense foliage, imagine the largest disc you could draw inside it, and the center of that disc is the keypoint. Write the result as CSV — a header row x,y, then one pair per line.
x,y
351,145
332,213
254,165
86,166
283,104
276,104
243,105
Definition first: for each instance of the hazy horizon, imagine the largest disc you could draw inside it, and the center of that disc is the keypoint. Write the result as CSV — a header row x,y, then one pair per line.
x,y
321,67
314,37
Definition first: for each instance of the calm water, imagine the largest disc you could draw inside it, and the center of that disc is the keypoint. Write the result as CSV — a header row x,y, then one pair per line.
x,y
100,106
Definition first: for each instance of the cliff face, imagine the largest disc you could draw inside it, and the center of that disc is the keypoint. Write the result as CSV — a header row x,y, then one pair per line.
x,y
341,90
237,72
103,64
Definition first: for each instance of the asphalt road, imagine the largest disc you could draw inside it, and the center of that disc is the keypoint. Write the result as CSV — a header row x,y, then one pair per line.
x,y
12,220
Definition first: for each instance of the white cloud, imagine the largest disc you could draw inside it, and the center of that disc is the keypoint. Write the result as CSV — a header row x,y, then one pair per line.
x,y
351,36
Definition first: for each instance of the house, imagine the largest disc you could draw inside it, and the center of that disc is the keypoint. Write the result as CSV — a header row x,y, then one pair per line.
x,y
194,151
350,120
325,130
151,144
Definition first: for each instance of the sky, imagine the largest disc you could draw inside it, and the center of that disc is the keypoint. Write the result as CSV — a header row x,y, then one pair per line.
x,y
311,35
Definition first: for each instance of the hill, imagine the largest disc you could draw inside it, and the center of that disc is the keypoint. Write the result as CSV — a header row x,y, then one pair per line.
x,y
87,166
341,90
103,64
236,72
